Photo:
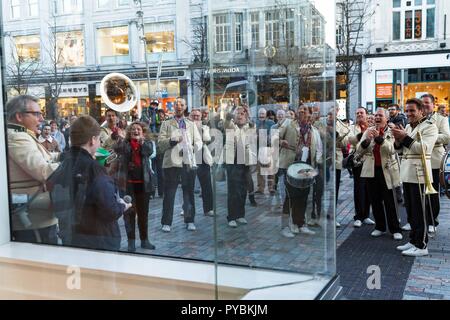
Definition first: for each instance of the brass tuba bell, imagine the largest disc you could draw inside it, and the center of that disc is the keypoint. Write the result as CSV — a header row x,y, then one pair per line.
x,y
119,92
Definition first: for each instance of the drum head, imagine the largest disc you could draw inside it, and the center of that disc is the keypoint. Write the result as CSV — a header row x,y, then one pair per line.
x,y
301,175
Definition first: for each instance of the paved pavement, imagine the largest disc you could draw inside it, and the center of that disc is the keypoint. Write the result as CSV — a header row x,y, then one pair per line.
x,y
425,278
260,245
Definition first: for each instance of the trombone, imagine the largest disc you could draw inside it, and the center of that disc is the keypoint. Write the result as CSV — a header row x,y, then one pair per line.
x,y
429,189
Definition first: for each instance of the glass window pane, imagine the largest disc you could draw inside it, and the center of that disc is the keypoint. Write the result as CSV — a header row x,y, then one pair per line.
x,y
430,1
396,26
71,48
430,23
112,42
160,37
397,3
418,24
418,2
28,47
408,25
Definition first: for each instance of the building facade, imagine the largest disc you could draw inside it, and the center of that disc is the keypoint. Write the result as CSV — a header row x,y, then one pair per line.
x,y
406,54
60,50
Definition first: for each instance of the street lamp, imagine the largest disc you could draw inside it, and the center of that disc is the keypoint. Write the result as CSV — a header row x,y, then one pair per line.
x,y
140,26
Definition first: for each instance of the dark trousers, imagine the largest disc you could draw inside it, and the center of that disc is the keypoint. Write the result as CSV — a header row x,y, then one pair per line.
x,y
317,196
418,235
338,183
295,203
383,205
47,235
434,199
159,173
173,177
237,183
141,201
361,195
204,176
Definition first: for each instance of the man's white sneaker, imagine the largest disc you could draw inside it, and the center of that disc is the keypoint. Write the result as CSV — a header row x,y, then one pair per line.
x,y
415,252
190,226
241,221
232,224
398,236
406,227
357,224
313,223
286,232
369,222
377,233
432,229
210,213
165,228
305,230
182,213
294,228
338,225
405,247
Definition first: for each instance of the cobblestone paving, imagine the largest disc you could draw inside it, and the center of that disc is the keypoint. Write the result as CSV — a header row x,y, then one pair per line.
x,y
258,244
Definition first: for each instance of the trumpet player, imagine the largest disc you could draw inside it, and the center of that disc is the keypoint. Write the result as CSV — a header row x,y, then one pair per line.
x,y
443,139
417,141
381,170
178,136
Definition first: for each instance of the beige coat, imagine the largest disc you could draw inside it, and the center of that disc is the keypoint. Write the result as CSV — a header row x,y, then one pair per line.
x,y
30,164
442,141
248,136
292,135
341,141
172,158
388,160
355,130
411,160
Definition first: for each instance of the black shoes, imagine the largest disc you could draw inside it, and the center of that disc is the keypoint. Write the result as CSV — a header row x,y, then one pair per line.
x,y
145,244
131,246
253,203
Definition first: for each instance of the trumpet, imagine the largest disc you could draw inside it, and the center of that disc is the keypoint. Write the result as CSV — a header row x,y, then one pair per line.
x,y
428,185
348,130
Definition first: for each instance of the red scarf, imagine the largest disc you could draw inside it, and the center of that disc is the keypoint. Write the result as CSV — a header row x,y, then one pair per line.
x,y
136,152
377,150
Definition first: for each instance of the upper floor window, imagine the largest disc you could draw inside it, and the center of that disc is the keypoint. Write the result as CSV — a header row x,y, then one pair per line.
x,y
68,6
317,34
254,23
160,37
109,4
113,46
290,28
222,27
33,8
272,24
413,19
238,31
28,48
71,47
15,9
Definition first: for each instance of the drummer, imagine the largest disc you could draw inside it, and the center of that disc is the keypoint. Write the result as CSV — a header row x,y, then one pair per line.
x,y
300,143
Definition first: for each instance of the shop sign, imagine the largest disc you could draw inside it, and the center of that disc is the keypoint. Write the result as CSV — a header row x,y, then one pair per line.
x,y
74,90
386,76
384,91
222,70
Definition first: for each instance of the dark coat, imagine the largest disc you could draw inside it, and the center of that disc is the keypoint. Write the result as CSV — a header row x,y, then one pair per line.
x,y
123,150
97,225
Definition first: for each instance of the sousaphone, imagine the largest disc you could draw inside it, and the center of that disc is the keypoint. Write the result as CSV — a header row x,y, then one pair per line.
x,y
119,92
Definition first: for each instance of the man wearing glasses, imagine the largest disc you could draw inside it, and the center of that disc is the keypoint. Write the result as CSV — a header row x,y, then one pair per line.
x,y
395,116
30,164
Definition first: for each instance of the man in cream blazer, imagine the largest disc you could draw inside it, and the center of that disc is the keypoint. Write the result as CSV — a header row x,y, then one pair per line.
x,y
30,164
438,153
179,140
412,172
381,170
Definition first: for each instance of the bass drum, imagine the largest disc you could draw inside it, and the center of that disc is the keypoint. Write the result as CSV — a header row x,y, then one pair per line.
x,y
444,174
301,175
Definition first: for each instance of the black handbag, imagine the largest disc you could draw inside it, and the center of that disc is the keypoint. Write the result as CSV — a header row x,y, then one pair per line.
x,y
348,162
